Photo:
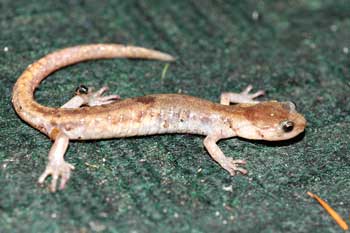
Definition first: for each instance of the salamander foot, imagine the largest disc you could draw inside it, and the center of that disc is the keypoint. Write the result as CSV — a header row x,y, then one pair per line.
x,y
57,169
232,166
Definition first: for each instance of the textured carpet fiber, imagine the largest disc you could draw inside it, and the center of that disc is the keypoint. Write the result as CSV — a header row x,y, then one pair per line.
x,y
295,50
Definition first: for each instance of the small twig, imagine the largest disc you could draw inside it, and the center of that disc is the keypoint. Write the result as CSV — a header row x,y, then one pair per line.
x,y
91,165
330,211
165,69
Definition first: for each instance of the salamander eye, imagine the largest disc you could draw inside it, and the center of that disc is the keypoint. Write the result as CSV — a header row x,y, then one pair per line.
x,y
287,126
81,90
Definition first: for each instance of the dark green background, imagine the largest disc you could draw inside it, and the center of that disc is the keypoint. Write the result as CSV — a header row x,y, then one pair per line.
x,y
296,50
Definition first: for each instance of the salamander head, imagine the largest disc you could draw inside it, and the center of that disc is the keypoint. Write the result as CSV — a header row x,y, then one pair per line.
x,y
270,121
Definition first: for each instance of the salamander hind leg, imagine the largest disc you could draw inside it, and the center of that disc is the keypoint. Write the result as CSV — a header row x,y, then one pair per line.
x,y
57,167
229,164
86,96
244,97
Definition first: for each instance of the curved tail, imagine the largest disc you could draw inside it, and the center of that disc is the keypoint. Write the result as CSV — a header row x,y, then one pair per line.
x,y
23,91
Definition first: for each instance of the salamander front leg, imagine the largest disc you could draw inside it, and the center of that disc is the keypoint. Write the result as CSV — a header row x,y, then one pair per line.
x,y
229,164
85,96
57,167
244,97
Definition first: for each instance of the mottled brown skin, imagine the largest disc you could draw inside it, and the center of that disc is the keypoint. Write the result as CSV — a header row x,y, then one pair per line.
x,y
40,116
146,115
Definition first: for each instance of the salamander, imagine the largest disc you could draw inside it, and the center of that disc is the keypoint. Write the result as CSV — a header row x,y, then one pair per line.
x,y
93,115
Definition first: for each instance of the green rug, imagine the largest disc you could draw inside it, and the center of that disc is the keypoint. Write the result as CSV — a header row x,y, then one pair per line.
x,y
295,50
